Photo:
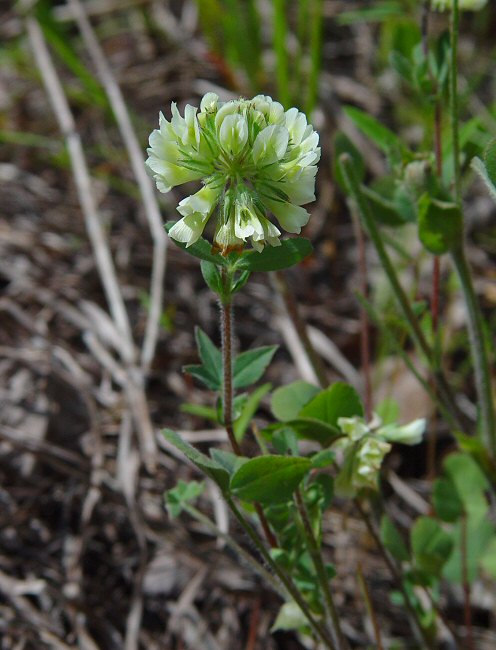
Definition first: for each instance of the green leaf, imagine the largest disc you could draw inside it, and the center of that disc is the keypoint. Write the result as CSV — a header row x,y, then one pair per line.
x,y
472,542
402,65
208,466
314,429
212,277
323,459
446,501
206,412
210,372
250,366
479,167
240,281
470,483
248,411
490,160
488,560
393,540
342,144
288,401
275,258
290,617
227,459
431,545
388,410
440,225
181,494
201,249
269,479
338,401
203,375
384,210
383,137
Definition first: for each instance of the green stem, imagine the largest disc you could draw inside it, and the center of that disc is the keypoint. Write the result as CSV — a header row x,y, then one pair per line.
x,y
454,28
479,351
353,187
285,579
313,548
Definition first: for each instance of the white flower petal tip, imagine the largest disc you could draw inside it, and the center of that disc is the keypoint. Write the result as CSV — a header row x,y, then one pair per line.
x,y
253,159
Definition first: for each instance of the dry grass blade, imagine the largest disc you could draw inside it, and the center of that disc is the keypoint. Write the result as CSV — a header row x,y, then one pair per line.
x,y
82,178
134,381
150,203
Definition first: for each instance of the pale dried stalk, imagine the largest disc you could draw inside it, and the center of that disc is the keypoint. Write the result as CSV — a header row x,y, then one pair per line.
x,y
134,382
150,204
82,179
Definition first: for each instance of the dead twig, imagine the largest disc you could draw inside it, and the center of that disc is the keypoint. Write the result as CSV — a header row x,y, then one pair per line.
x,y
135,154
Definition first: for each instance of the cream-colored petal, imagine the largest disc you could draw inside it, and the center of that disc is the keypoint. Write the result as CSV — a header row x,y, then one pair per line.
x,y
291,217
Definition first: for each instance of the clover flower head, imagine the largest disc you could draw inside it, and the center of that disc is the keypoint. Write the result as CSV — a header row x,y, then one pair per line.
x,y
365,444
464,5
254,160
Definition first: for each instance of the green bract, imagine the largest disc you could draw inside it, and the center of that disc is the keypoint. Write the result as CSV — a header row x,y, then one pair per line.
x,y
365,445
253,159
468,5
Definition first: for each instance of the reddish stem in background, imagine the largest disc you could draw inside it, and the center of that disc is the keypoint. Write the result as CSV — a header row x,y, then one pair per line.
x,y
364,320
253,630
467,609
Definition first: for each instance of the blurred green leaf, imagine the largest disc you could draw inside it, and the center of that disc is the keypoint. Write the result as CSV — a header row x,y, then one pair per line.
x,y
249,409
275,258
183,493
383,137
431,545
210,371
338,401
287,401
212,469
445,500
440,225
393,540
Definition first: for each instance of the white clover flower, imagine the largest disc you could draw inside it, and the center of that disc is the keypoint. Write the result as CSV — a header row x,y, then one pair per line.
x,y
253,159
463,5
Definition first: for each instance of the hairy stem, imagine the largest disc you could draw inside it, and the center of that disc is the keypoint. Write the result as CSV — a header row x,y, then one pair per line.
x,y
228,390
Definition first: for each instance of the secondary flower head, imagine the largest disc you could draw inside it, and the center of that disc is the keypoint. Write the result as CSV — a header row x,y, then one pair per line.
x,y
253,159
365,444
468,5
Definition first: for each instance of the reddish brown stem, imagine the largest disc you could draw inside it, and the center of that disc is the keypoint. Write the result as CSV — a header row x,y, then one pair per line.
x,y
228,396
467,607
364,320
